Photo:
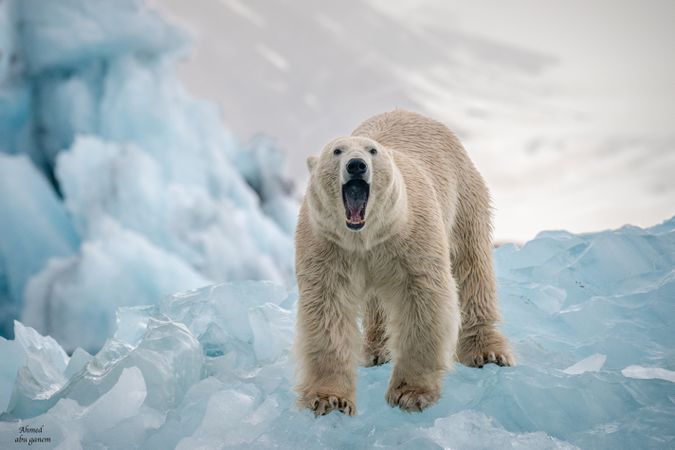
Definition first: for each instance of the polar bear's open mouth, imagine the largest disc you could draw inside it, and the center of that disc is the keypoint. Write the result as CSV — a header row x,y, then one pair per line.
x,y
355,198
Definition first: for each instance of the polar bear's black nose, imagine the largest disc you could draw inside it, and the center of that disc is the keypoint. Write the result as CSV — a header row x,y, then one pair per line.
x,y
356,166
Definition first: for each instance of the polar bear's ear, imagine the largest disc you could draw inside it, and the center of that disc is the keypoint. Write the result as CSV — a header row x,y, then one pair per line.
x,y
311,163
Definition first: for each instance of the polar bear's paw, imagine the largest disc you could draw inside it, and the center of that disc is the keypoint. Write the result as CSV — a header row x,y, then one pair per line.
x,y
412,398
376,357
501,359
322,404
484,346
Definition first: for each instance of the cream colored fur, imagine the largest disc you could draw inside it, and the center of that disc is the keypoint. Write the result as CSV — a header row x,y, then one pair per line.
x,y
419,274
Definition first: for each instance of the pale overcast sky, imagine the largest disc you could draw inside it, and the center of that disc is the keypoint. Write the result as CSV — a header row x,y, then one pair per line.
x,y
616,59
567,108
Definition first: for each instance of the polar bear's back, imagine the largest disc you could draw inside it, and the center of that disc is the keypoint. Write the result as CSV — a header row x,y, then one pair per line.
x,y
430,144
431,147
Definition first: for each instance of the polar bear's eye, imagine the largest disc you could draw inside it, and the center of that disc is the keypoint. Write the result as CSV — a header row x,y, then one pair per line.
x,y
337,151
373,151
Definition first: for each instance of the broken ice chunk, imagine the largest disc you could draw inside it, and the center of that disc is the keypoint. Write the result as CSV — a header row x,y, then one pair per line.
x,y
591,364
648,373
273,330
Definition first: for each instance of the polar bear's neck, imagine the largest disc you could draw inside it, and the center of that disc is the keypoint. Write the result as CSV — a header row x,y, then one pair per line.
x,y
390,210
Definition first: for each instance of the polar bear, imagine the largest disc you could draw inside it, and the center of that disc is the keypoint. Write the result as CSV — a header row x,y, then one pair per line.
x,y
394,230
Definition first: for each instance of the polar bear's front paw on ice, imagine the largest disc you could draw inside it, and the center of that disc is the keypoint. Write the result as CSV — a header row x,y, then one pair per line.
x,y
480,359
322,404
484,346
412,398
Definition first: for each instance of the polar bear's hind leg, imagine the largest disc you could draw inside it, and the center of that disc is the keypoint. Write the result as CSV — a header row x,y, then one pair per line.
x,y
375,351
480,342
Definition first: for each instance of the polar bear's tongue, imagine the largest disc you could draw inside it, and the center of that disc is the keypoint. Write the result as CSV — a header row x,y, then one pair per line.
x,y
355,197
355,210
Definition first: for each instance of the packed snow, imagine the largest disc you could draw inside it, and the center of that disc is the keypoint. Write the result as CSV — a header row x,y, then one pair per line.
x,y
590,317
125,205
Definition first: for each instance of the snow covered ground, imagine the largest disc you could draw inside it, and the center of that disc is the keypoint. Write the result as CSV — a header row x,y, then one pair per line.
x,y
590,317
118,189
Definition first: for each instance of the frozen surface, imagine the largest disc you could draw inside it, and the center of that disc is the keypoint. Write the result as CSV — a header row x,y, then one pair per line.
x,y
590,318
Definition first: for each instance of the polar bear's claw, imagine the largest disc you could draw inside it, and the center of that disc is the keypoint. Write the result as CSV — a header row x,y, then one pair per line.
x,y
322,404
500,359
412,398
485,346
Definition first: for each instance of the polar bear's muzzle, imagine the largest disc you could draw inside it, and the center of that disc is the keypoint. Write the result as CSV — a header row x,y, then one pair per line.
x,y
355,198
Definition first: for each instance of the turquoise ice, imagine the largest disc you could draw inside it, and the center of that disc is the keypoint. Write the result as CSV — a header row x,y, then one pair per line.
x,y
116,186
590,318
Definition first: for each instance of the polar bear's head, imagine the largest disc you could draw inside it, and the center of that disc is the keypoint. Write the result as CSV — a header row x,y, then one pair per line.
x,y
351,184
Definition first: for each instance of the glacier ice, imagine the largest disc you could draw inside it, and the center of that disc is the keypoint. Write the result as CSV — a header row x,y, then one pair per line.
x,y
34,227
81,293
261,167
106,420
102,180
213,367
112,175
64,33
41,360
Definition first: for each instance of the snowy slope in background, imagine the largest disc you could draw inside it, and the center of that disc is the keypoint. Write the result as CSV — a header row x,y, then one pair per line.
x,y
136,190
590,318
306,72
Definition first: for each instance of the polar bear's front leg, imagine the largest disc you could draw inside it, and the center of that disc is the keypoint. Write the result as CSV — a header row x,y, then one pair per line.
x,y
326,342
424,325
